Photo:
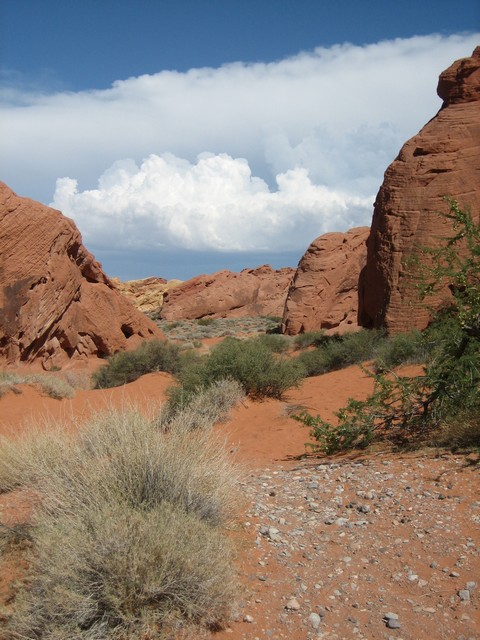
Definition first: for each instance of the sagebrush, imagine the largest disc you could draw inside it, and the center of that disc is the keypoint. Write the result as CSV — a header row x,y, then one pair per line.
x,y
128,539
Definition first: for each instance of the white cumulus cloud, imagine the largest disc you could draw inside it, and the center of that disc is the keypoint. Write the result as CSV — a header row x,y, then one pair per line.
x,y
214,203
243,157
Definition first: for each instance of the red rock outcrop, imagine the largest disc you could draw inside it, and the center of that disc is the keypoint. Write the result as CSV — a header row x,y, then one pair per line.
x,y
146,294
323,294
228,294
55,301
443,159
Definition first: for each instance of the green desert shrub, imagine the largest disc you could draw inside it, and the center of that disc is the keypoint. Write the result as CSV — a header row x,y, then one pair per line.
x,y
275,342
126,366
338,351
260,372
128,538
310,339
404,348
251,363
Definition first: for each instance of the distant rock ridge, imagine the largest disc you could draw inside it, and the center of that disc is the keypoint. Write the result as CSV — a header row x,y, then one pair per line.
x,y
227,294
323,294
55,301
443,159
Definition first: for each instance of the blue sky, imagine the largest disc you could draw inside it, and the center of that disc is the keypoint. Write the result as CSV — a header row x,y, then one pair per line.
x,y
188,136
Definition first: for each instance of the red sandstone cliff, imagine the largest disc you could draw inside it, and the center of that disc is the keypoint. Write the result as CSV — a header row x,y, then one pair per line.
x,y
443,159
323,294
227,294
55,301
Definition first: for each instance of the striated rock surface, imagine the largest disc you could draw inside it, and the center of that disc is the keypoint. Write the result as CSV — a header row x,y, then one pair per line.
x,y
55,301
228,294
323,294
443,159
146,294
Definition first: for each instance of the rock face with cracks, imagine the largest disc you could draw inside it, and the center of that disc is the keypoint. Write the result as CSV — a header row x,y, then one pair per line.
x,y
323,294
227,294
443,159
55,301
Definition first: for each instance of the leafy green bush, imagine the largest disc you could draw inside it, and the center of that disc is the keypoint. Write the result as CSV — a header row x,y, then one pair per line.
x,y
253,364
128,537
310,339
275,342
336,352
406,409
404,348
250,362
126,366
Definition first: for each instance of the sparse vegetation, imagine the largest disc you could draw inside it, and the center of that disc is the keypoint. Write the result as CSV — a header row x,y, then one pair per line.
x,y
127,540
54,386
427,406
250,362
126,366
310,339
191,330
338,351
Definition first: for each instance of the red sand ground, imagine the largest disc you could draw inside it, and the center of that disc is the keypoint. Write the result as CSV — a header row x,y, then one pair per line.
x,y
351,574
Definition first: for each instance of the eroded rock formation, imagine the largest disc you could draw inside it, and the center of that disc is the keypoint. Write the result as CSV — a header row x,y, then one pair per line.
x,y
323,294
443,159
227,294
55,301
146,294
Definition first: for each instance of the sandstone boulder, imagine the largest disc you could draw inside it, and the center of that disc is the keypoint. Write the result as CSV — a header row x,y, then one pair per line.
x,y
55,301
323,294
228,294
146,294
443,159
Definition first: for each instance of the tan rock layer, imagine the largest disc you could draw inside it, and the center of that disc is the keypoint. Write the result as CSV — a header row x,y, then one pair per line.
x,y
443,159
323,294
146,294
55,301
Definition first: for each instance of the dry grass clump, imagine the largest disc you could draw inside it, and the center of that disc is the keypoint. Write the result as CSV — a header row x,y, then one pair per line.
x,y
54,386
128,538
206,407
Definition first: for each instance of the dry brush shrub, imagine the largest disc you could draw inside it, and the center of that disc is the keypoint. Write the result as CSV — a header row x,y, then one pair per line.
x,y
54,386
204,408
128,537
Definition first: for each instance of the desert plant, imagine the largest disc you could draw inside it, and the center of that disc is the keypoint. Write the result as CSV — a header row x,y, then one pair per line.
x,y
203,408
310,339
127,539
275,342
404,348
338,351
250,362
205,322
254,365
126,366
